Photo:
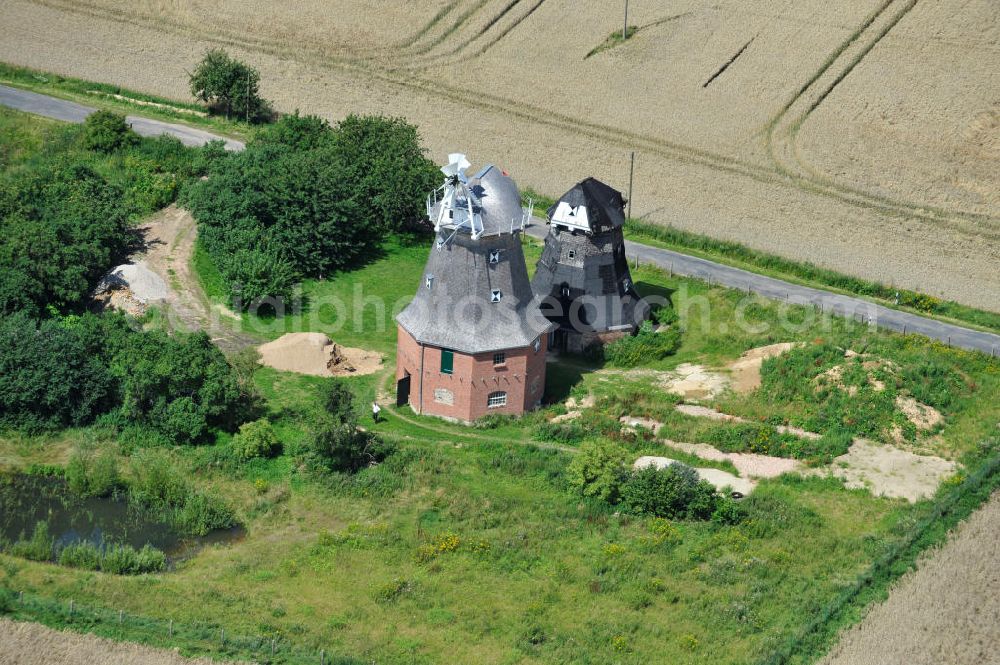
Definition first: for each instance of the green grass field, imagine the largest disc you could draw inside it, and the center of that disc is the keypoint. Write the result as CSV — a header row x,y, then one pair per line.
x,y
467,545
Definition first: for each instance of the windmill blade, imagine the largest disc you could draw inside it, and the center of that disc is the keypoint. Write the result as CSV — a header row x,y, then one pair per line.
x,y
457,163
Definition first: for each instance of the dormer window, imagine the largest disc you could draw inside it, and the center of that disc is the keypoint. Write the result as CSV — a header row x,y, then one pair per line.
x,y
496,295
494,256
429,280
571,254
627,284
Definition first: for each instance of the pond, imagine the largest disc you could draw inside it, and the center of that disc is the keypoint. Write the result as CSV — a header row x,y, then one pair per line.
x,y
26,500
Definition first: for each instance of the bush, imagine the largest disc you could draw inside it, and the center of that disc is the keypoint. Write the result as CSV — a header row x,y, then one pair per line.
x,y
675,492
598,470
39,547
340,402
645,346
106,131
93,474
159,487
255,439
126,560
83,554
336,446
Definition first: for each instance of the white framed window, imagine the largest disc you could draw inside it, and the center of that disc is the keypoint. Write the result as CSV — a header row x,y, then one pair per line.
x,y
538,344
500,358
494,256
496,399
571,254
627,284
496,295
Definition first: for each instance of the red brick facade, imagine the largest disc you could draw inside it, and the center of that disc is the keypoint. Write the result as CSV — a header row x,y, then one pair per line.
x,y
465,393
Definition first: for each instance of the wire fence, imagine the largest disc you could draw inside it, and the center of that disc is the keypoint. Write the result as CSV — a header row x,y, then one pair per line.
x,y
957,503
197,639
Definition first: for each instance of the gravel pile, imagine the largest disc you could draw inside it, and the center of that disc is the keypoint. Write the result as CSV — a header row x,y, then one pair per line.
x,y
144,284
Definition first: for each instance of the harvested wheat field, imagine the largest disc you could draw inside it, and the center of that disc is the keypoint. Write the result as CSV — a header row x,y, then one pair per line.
x,y
946,612
34,644
859,135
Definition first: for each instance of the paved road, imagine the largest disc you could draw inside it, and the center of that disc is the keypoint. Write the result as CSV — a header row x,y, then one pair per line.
x,y
678,263
61,109
847,306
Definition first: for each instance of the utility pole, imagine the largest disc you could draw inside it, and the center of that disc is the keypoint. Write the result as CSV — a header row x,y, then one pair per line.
x,y
625,28
631,173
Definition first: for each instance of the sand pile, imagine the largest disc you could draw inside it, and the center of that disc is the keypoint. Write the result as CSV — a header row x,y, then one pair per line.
x,y
316,354
144,284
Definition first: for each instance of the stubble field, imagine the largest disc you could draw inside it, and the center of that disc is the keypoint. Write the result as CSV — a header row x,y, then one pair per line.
x,y
947,611
838,134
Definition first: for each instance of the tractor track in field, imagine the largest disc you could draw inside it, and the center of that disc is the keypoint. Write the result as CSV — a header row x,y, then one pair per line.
x,y
985,226
783,130
982,225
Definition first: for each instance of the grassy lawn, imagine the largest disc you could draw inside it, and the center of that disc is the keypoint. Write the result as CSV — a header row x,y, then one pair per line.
x,y
467,545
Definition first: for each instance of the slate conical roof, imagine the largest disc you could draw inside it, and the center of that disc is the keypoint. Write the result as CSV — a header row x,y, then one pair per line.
x,y
604,207
583,276
474,295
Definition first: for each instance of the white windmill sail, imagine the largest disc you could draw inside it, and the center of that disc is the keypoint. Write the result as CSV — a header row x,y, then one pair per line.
x,y
459,207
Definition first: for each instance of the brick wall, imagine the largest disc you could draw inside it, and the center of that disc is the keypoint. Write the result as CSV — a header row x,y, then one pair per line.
x,y
464,394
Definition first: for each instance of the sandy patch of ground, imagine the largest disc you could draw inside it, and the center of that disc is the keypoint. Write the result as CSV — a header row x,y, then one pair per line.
x,y
33,644
890,472
717,477
316,354
631,423
161,274
923,416
945,611
585,402
746,369
749,465
695,382
566,417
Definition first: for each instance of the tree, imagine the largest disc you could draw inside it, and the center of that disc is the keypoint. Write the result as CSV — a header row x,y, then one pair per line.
x,y
229,86
62,226
340,402
306,200
388,169
598,470
255,439
106,131
673,492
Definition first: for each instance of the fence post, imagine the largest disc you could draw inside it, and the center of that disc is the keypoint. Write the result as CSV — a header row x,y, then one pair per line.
x,y
20,597
121,616
170,629
272,646
71,608
322,657
222,636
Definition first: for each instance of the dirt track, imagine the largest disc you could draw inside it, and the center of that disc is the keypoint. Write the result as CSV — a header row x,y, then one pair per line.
x,y
34,644
947,612
552,115
170,236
